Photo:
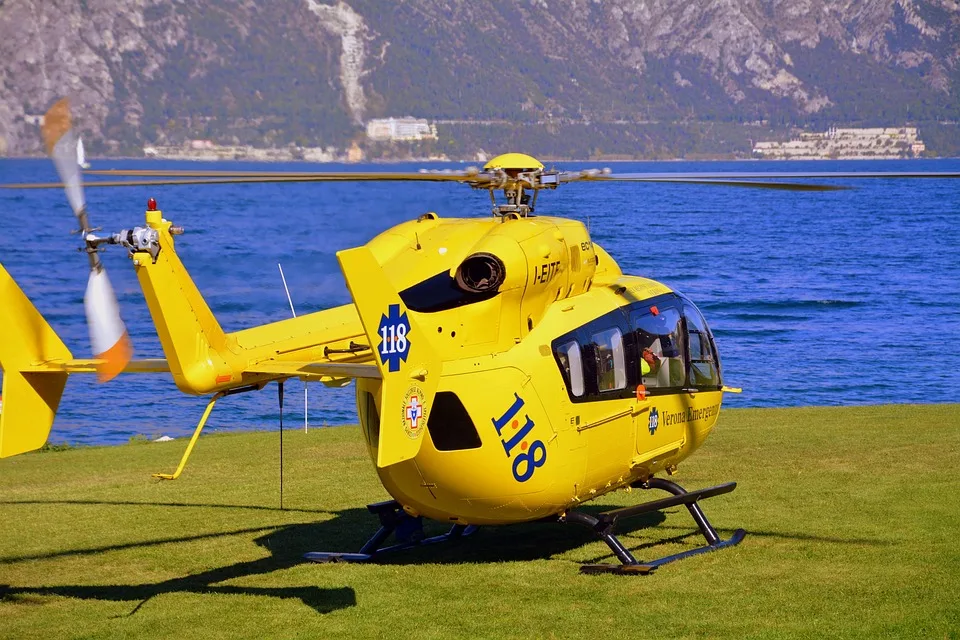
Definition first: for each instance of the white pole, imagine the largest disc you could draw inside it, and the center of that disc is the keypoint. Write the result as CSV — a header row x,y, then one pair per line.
x,y
294,312
289,299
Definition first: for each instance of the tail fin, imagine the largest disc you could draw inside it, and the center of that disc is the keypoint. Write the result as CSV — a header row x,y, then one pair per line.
x,y
193,341
30,397
409,366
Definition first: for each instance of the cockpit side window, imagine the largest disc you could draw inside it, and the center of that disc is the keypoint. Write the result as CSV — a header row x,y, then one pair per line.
x,y
571,364
704,364
610,362
595,359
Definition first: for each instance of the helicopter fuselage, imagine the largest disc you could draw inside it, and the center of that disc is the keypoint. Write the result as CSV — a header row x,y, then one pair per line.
x,y
544,400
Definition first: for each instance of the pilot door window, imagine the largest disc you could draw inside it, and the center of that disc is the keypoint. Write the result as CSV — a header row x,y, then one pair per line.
x,y
660,339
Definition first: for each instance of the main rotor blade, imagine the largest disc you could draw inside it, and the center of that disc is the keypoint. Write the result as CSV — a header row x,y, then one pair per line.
x,y
753,180
473,181
752,184
762,175
434,175
243,180
472,177
469,175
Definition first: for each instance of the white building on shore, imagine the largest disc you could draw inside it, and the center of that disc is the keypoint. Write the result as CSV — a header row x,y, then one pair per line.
x,y
400,129
852,144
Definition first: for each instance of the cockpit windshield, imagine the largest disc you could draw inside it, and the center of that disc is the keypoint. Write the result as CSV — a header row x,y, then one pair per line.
x,y
704,370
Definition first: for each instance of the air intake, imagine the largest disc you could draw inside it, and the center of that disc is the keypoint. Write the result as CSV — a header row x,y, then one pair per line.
x,y
481,273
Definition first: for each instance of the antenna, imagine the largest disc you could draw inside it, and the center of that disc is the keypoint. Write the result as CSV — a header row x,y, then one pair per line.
x,y
294,312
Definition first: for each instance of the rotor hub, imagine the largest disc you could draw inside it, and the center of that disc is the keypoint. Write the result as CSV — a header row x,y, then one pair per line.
x,y
518,173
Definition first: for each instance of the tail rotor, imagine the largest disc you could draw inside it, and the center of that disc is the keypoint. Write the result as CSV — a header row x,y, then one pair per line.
x,y
108,334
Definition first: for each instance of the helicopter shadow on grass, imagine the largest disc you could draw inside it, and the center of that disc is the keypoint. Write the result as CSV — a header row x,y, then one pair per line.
x,y
346,531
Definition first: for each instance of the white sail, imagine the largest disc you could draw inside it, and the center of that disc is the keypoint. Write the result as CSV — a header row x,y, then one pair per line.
x,y
81,156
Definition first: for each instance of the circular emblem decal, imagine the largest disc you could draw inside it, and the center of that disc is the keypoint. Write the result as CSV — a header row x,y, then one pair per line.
x,y
414,412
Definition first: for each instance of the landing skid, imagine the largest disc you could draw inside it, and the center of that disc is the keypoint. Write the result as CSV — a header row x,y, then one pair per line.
x,y
407,530
604,523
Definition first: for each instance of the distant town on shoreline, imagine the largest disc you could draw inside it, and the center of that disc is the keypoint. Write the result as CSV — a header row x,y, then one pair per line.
x,y
414,139
877,143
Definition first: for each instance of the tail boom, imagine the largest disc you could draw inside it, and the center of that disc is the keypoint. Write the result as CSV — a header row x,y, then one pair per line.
x,y
204,359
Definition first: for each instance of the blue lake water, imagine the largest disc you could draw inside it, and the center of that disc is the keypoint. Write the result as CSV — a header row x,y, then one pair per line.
x,y
829,298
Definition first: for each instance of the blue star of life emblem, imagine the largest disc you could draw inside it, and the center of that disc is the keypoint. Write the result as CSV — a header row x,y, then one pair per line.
x,y
654,421
394,337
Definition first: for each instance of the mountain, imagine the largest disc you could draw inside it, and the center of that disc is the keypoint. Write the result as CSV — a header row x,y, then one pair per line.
x,y
637,78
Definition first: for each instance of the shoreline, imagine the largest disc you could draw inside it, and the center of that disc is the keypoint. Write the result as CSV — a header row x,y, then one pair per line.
x,y
545,159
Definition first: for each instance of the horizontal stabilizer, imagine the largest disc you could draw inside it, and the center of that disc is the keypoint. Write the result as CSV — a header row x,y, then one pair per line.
x,y
30,398
314,371
30,402
93,365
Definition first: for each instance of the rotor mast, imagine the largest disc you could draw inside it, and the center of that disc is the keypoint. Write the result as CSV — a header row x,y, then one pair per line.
x,y
516,174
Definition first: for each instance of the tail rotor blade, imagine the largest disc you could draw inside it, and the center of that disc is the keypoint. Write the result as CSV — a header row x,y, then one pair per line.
x,y
108,335
61,142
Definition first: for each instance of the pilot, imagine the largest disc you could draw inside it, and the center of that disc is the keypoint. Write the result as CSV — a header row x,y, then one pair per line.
x,y
649,363
649,360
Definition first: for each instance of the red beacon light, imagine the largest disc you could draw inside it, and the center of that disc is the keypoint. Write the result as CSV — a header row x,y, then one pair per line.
x,y
151,204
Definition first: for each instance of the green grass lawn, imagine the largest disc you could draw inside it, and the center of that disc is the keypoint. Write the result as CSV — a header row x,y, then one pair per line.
x,y
852,514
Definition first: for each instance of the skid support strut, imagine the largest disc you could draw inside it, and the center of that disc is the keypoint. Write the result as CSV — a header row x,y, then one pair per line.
x,y
603,525
407,530
200,426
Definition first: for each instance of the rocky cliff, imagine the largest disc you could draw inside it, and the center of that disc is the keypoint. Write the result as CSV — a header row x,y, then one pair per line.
x,y
310,72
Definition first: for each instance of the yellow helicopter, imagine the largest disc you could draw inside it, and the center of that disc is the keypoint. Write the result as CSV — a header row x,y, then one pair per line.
x,y
506,370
